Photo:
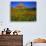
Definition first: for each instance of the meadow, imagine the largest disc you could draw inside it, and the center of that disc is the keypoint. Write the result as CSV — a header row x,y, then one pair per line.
x,y
25,14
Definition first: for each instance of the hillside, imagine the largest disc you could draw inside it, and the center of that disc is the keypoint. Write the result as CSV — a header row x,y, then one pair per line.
x,y
23,14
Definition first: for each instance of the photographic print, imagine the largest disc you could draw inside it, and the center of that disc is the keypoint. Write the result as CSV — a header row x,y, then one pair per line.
x,y
23,11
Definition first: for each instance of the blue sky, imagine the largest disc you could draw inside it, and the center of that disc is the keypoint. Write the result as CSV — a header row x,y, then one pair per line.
x,y
26,4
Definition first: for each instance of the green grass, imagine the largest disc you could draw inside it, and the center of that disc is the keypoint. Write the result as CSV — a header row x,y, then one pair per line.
x,y
23,14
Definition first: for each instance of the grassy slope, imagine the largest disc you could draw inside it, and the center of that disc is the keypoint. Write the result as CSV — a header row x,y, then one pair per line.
x,y
23,14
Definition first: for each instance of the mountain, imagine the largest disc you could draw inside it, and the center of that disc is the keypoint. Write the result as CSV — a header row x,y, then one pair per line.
x,y
20,6
39,40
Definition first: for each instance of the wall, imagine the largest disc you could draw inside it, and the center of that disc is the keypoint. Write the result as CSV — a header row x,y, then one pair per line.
x,y
30,30
11,40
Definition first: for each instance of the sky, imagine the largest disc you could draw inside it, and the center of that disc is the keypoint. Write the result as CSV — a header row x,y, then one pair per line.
x,y
31,30
26,4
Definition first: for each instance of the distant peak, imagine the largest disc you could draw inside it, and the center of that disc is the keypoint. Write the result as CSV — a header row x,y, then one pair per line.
x,y
21,5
